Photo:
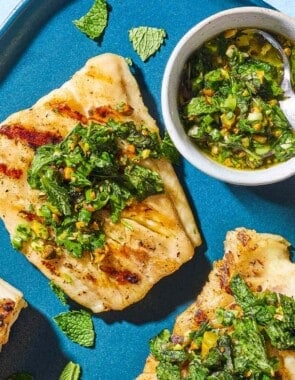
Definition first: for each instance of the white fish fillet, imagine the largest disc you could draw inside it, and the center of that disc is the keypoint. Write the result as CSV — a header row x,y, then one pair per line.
x,y
263,260
152,240
11,304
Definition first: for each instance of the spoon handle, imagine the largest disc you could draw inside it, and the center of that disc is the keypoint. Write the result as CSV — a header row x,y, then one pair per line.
x,y
286,82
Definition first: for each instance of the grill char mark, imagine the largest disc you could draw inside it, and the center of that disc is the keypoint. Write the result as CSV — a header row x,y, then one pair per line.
x,y
12,173
32,138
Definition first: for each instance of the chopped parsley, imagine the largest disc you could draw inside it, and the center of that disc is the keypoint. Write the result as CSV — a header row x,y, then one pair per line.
x,y
146,41
77,326
237,345
23,233
95,20
229,101
168,149
93,174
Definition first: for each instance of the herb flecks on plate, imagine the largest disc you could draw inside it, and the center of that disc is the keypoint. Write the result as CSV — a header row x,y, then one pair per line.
x,y
229,101
237,345
94,21
146,41
94,173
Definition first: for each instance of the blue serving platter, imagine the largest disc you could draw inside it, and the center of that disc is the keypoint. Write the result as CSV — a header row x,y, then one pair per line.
x,y
40,48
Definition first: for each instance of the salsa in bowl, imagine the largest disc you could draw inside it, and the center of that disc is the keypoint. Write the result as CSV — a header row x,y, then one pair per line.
x,y
221,93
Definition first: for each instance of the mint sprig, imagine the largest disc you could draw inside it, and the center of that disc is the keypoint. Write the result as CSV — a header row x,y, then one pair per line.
x,y
146,41
77,326
94,21
70,372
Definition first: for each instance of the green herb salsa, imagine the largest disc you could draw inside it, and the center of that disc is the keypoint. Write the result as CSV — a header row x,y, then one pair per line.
x,y
238,346
96,171
229,100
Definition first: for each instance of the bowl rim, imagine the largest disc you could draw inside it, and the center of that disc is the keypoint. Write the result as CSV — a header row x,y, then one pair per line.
x,y
184,145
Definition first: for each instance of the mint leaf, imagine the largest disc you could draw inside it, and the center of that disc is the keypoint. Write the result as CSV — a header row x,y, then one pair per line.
x,y
146,41
78,326
95,20
60,294
70,372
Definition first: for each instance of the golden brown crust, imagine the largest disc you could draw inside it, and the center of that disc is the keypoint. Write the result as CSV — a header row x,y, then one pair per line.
x,y
148,243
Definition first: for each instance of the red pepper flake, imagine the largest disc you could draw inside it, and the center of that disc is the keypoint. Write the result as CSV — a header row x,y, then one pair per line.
x,y
66,110
12,173
122,276
33,138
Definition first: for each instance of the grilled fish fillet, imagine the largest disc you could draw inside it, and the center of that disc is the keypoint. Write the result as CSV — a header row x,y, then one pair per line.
x,y
154,237
263,260
11,303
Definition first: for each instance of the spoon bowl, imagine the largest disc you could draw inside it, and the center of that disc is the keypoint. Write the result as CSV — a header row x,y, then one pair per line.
x,y
288,103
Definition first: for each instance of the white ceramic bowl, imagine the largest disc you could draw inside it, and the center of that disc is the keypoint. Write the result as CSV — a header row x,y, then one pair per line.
x,y
260,18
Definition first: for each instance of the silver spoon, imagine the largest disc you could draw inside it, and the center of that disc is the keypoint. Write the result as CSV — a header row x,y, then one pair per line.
x,y
288,103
